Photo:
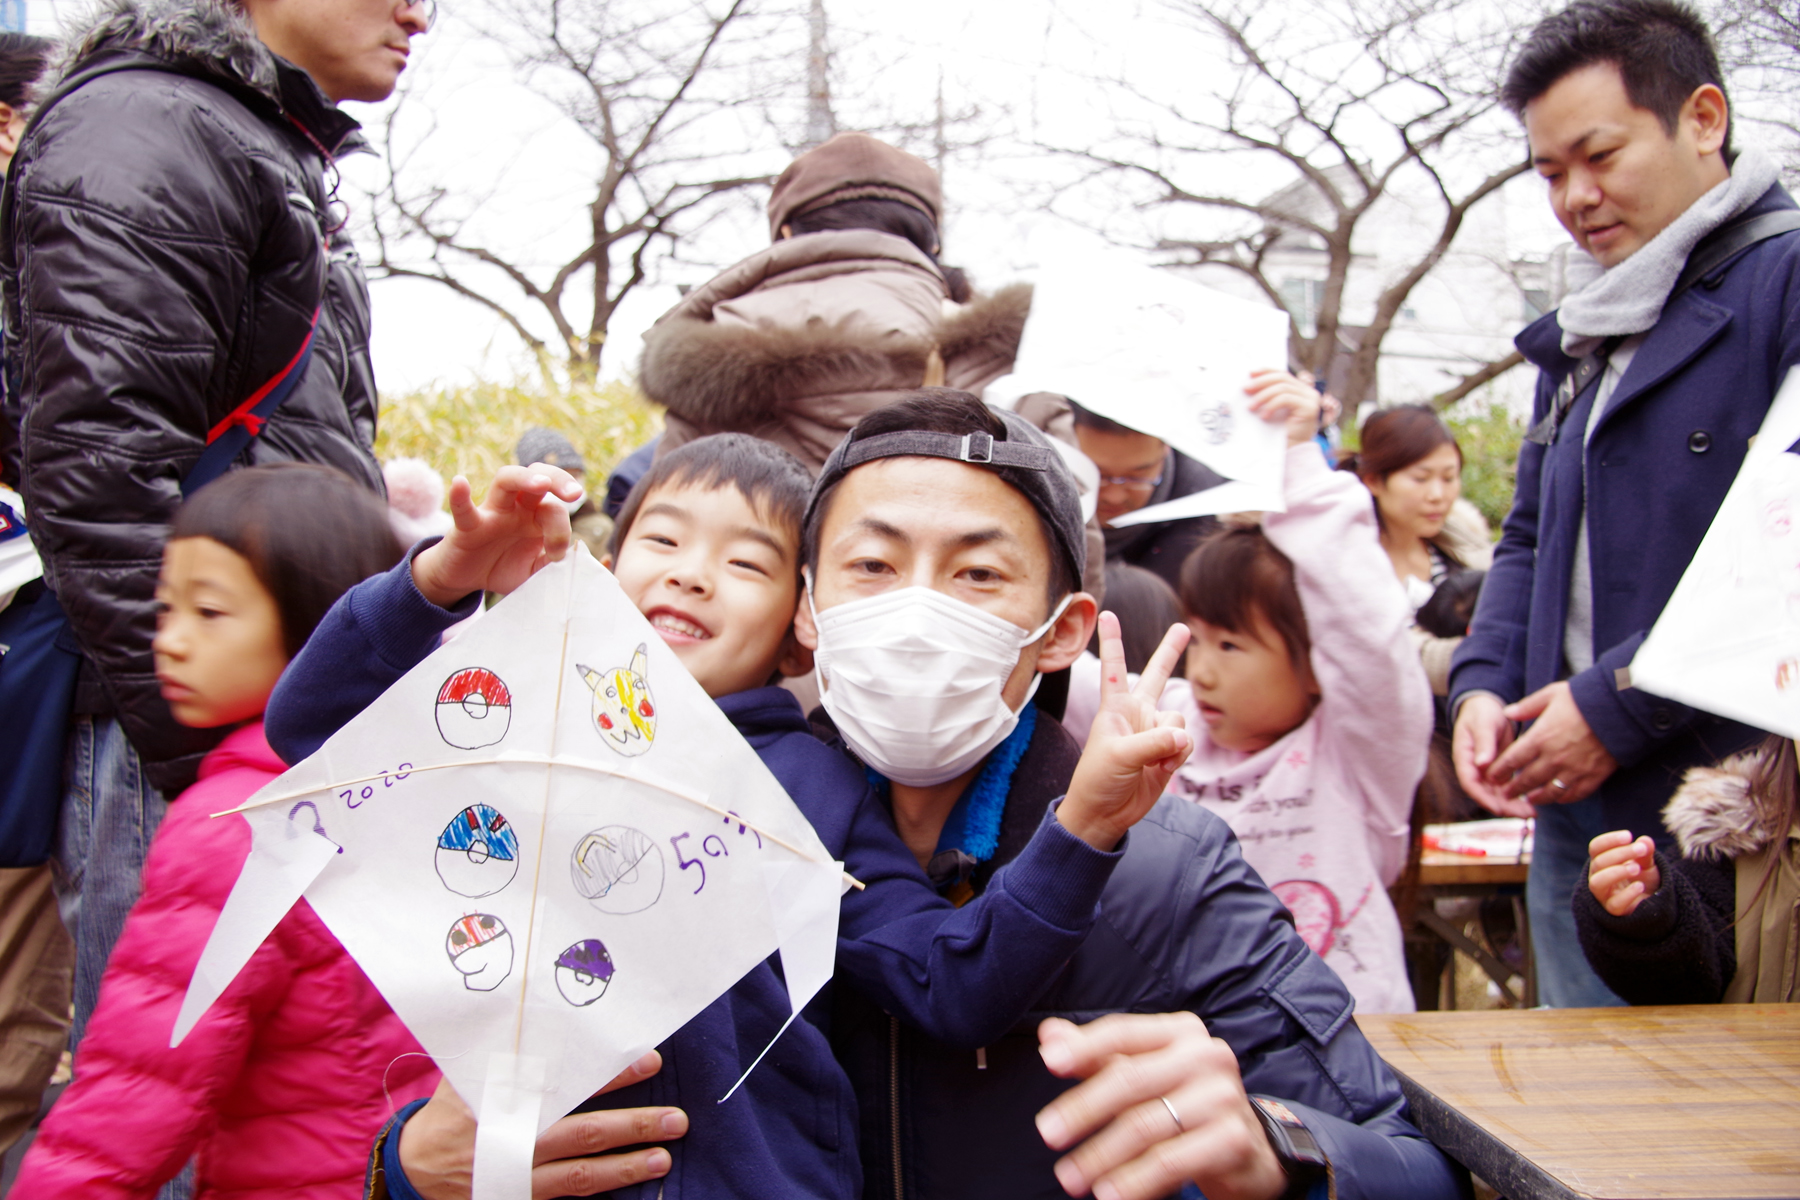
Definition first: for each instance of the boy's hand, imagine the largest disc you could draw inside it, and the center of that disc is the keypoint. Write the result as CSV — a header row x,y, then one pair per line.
x,y
1621,872
437,1146
1132,749
1277,397
517,529
1164,1104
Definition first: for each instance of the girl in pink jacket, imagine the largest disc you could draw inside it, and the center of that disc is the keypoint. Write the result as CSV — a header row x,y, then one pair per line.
x,y
284,1083
1310,713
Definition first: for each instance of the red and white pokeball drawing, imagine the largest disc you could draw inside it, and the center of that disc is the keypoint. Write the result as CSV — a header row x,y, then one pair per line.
x,y
474,709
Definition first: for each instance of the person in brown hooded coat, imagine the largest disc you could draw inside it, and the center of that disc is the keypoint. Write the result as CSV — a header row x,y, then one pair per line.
x,y
846,311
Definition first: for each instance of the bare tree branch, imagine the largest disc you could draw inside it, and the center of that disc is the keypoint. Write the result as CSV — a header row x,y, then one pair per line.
x,y
640,80
1474,379
1363,98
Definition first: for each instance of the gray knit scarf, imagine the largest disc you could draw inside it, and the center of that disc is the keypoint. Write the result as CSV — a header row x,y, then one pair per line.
x,y
1629,298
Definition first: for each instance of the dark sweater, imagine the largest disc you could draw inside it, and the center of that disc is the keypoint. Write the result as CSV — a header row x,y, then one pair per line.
x,y
967,974
1678,947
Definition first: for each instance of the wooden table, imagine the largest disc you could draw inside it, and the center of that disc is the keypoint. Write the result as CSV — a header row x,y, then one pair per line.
x,y
1446,869
1699,1103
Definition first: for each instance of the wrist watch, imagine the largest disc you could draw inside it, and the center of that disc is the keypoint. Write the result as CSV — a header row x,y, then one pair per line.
x,y
1294,1145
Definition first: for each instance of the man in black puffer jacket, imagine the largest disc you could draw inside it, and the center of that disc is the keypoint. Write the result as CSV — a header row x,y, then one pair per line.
x,y
166,238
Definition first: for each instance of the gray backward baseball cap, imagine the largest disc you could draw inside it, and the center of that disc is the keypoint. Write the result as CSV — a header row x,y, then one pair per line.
x,y
1024,458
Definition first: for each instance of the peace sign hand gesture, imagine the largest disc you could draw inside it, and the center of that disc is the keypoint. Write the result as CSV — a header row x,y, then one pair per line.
x,y
1132,750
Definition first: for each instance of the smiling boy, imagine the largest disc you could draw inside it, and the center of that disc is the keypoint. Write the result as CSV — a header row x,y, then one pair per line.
x,y
707,547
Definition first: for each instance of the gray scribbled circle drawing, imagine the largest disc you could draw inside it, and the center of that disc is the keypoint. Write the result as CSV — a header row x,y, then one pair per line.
x,y
1216,423
618,869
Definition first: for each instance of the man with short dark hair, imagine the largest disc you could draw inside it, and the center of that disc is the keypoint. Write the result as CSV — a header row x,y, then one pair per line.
x,y
1682,321
941,530
1138,470
170,245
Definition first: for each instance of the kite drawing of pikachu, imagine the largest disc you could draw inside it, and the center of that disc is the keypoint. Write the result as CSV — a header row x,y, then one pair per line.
x,y
624,711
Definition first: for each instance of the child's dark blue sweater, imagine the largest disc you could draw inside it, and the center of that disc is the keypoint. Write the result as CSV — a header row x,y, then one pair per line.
x,y
963,975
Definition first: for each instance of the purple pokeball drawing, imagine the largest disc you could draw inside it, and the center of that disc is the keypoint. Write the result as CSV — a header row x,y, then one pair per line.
x,y
583,971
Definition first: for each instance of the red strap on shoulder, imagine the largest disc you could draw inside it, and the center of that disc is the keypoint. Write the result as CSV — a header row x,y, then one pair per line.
x,y
242,414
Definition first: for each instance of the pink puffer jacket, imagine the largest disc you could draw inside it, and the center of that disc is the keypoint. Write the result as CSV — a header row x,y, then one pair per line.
x,y
278,1089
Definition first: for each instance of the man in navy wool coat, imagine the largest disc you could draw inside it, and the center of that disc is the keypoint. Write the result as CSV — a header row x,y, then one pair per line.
x,y
1651,386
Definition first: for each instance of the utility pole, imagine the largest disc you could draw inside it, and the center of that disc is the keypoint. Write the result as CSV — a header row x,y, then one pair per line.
x,y
821,123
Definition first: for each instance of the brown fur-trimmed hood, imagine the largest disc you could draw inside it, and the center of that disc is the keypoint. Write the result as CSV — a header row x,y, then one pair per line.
x,y
1714,815
822,317
732,377
981,339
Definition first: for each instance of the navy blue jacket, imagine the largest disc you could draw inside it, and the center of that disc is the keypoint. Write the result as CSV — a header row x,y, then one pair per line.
x,y
1184,923
967,974
1657,467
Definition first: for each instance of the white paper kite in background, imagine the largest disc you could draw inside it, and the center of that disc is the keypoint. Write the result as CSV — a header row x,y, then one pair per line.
x,y
1166,356
1728,641
548,849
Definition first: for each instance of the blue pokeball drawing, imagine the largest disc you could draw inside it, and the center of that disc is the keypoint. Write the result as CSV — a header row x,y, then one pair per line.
x,y
583,972
478,852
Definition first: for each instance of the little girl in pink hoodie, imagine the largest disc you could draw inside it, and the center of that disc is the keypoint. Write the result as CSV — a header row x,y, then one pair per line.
x,y
1310,714
285,1082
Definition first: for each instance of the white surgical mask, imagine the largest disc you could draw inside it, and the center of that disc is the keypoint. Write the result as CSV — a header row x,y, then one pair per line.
x,y
573,505
912,680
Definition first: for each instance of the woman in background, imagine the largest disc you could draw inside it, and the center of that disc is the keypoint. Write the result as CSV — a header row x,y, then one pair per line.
x,y
1412,466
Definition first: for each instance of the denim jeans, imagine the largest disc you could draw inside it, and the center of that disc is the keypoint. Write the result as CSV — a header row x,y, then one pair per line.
x,y
1558,863
109,814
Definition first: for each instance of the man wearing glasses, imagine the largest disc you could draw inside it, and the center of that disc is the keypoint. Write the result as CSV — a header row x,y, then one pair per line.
x,y
1138,470
172,253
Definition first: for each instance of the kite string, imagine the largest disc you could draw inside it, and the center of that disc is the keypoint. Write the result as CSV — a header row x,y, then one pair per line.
x,y
759,1058
579,764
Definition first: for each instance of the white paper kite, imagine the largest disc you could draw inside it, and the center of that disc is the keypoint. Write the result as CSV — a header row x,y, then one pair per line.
x,y
1728,641
1166,356
548,849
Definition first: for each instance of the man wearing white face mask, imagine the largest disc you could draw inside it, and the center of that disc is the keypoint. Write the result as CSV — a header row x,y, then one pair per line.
x,y
944,545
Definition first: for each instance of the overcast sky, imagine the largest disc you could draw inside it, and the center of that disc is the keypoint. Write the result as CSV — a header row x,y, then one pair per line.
x,y
1028,66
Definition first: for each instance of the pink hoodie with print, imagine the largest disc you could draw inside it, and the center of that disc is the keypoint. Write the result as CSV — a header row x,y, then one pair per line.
x,y
1323,813
278,1089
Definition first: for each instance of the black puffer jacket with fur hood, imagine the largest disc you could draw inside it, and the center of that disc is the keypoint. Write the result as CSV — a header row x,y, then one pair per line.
x,y
165,239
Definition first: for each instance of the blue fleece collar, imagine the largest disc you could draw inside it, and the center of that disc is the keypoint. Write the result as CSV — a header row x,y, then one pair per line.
x,y
971,833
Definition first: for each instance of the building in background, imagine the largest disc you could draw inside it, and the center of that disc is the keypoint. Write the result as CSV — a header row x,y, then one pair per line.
x,y
1490,284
